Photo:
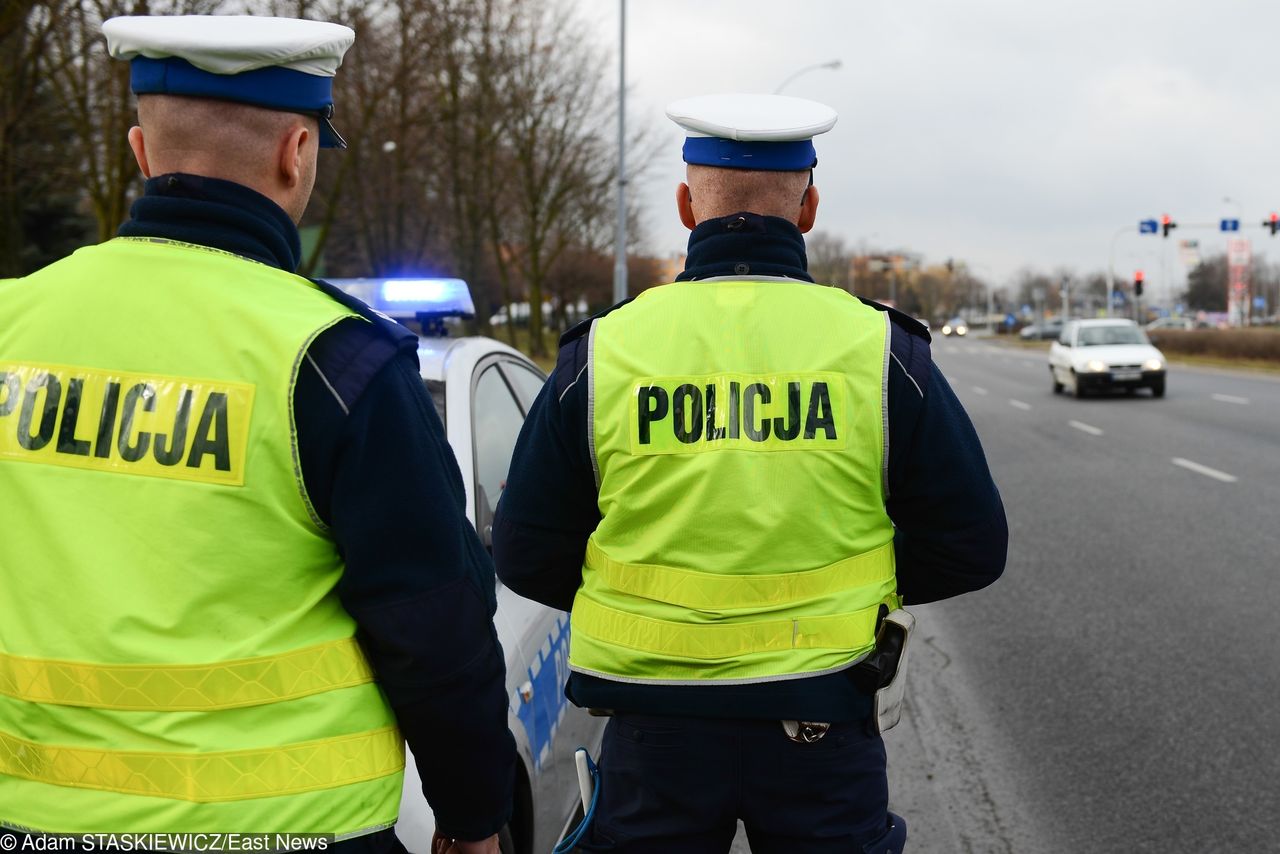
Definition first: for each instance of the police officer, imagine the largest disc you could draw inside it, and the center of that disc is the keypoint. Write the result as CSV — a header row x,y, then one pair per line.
x,y
235,565
730,480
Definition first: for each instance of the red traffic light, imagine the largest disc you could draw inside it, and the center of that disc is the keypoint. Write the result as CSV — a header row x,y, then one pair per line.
x,y
1272,223
1138,276
1166,225
1166,219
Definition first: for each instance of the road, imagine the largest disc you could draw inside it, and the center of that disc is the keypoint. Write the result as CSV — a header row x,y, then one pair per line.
x,y
1118,689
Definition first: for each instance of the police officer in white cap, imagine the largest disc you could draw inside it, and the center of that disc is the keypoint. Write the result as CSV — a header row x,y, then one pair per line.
x,y
222,603
733,482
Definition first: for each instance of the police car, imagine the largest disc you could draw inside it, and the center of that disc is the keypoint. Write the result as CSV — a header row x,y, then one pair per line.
x,y
482,390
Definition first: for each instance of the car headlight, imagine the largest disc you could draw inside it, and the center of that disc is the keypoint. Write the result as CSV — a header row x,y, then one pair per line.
x,y
960,330
946,330
1153,365
1095,366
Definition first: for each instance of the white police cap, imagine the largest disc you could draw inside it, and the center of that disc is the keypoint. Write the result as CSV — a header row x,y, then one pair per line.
x,y
768,132
279,63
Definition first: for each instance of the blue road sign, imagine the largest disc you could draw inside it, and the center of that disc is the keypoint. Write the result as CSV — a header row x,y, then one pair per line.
x,y
1259,303
1229,225
1010,320
1148,226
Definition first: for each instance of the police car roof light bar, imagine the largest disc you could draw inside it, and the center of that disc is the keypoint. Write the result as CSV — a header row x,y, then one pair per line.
x,y
402,298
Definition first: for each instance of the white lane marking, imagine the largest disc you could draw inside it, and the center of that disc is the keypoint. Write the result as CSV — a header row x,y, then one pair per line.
x,y
1231,398
979,390
1086,428
1204,470
1018,404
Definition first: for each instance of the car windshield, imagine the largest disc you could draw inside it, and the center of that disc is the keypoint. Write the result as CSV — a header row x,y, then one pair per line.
x,y
1092,336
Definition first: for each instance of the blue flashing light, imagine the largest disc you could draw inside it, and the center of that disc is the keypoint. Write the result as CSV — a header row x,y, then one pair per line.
x,y
409,298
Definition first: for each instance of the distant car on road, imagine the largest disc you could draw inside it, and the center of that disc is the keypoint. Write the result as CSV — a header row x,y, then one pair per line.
x,y
1092,355
1170,323
482,390
956,327
1050,331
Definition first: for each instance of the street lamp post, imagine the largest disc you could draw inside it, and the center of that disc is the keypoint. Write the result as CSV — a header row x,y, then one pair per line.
x,y
834,65
620,230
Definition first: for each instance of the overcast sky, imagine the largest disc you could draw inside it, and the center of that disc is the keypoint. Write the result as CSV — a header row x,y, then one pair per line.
x,y
1002,132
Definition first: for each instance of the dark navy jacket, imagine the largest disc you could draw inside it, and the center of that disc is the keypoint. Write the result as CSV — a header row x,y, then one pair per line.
x,y
379,472
951,534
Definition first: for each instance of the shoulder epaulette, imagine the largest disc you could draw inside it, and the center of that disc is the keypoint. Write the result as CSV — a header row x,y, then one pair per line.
x,y
900,318
400,334
579,329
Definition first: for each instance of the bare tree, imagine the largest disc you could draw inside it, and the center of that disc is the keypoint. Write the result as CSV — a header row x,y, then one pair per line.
x,y
32,164
93,96
830,261
560,163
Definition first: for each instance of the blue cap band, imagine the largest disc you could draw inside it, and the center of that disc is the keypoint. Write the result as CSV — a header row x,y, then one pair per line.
x,y
274,88
791,156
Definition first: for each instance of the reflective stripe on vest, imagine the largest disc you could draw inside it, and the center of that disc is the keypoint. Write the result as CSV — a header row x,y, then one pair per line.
x,y
210,777
738,432
705,590
190,687
173,654
847,631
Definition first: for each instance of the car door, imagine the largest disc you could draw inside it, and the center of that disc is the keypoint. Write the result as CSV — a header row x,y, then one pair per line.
x,y
1059,359
573,728
504,390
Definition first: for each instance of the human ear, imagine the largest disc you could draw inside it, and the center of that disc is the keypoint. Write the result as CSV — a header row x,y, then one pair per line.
x,y
292,151
138,144
808,209
684,204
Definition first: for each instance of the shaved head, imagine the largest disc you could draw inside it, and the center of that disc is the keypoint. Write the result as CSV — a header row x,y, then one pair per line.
x,y
232,141
719,192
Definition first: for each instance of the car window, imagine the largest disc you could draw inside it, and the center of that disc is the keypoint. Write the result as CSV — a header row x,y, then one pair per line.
x,y
526,382
496,421
1095,336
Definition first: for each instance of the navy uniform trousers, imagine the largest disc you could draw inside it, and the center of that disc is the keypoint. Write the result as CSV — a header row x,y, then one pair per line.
x,y
679,785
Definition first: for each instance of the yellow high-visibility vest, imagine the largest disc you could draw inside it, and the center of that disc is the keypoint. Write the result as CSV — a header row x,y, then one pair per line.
x,y
739,436
173,656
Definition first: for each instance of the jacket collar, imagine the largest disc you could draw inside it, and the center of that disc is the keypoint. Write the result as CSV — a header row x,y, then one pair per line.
x,y
746,245
215,213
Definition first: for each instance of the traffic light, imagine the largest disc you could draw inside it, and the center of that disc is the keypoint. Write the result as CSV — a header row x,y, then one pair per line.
x,y
1272,223
1137,283
1167,225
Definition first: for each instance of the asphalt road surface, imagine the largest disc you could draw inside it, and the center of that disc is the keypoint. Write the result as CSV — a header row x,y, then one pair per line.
x,y
1118,690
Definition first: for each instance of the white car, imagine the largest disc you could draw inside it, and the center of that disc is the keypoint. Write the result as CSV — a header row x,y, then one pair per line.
x,y
482,390
1092,355
1183,323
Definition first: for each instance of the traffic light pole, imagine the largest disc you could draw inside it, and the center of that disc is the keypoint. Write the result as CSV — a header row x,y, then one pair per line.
x,y
1111,266
1166,227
